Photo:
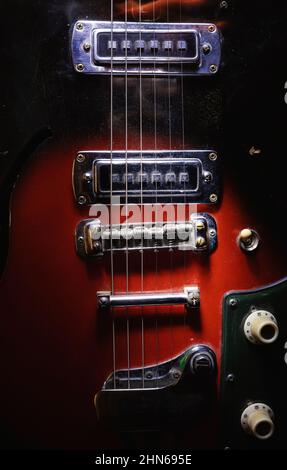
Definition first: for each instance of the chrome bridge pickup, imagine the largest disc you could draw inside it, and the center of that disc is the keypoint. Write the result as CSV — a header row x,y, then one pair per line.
x,y
190,176
102,47
198,234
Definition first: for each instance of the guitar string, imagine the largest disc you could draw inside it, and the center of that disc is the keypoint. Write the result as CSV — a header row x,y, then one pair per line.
x,y
111,190
170,151
156,196
183,148
141,191
126,156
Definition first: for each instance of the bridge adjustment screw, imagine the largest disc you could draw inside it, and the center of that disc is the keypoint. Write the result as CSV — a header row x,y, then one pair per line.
x,y
200,242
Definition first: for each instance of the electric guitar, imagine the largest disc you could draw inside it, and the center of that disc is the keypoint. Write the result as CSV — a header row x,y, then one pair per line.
x,y
142,303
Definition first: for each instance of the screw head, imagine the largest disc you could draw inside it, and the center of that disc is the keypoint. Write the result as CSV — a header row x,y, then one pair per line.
x,y
80,158
255,152
213,68
200,225
212,28
213,198
97,246
86,47
79,26
223,5
82,200
103,301
230,378
207,177
206,48
149,375
80,67
81,240
200,242
213,156
212,233
233,302
176,374
87,177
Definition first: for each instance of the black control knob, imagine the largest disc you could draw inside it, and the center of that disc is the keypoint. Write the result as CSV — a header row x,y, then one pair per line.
x,y
202,361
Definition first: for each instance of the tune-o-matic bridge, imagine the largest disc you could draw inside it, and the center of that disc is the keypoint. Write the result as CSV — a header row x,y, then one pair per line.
x,y
102,47
147,176
199,234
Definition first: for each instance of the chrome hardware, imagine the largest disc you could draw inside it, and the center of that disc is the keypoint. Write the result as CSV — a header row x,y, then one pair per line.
x,y
202,361
177,176
248,239
198,235
190,298
162,375
147,48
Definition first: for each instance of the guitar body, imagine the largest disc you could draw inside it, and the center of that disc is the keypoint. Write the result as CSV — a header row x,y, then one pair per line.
x,y
58,347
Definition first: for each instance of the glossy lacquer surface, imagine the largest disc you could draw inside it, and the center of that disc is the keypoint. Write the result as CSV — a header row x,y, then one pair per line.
x,y
56,346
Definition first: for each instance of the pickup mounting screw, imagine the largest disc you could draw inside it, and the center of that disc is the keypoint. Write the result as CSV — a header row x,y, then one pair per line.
x,y
80,26
212,28
81,158
213,68
213,198
206,48
80,67
87,47
87,177
207,177
213,156
82,200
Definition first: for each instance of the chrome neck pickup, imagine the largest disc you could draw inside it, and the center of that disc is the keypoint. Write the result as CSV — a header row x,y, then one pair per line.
x,y
102,47
199,234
